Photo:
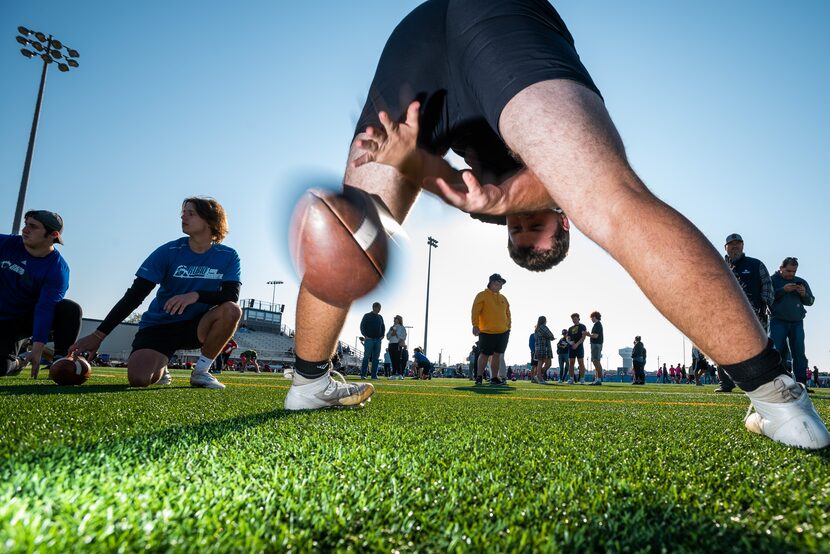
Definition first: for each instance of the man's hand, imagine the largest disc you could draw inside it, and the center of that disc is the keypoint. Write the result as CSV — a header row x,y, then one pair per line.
x,y
801,290
90,343
469,195
475,330
396,144
522,192
177,304
34,359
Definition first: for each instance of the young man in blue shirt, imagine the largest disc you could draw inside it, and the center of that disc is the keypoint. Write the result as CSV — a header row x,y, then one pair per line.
x,y
195,306
34,278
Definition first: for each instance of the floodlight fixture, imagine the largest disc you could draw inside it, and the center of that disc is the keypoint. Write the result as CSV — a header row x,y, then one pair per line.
x,y
48,49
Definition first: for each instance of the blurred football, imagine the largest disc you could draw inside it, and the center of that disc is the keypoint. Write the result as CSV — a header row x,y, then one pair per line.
x,y
70,371
338,244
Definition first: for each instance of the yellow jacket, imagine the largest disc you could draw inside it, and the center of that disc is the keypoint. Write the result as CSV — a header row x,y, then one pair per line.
x,y
491,312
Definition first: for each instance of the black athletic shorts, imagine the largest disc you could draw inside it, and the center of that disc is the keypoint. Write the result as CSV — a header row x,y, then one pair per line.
x,y
493,344
169,338
579,352
464,60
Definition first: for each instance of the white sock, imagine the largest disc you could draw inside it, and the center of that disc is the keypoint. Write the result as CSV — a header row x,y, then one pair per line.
x,y
203,364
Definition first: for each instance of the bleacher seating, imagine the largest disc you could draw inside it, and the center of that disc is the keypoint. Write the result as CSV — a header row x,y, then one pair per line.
x,y
271,347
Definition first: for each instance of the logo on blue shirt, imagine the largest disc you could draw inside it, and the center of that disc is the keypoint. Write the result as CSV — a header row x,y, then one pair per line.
x,y
197,272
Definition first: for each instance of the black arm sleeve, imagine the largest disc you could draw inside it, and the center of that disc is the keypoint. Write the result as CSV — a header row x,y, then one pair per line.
x,y
131,300
229,293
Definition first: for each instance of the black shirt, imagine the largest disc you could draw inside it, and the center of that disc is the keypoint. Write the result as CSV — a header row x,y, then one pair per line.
x,y
575,332
597,329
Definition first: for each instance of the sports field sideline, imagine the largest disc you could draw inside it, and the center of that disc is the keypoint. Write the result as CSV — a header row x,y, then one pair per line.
x,y
426,466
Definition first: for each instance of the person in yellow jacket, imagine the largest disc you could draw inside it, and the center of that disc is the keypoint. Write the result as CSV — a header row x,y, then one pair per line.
x,y
491,324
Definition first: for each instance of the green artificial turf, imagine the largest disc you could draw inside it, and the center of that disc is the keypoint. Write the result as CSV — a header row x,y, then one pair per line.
x,y
426,466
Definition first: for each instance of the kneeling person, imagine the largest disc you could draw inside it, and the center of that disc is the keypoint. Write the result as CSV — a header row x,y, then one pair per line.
x,y
195,306
34,278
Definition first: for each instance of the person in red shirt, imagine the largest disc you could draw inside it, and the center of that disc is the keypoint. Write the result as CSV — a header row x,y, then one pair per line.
x,y
224,356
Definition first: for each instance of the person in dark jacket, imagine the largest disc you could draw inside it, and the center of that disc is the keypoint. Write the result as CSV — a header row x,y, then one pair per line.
x,y
373,330
754,279
638,356
787,323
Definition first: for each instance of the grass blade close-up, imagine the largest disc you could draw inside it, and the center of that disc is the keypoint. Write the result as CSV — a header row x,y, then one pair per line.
x,y
436,465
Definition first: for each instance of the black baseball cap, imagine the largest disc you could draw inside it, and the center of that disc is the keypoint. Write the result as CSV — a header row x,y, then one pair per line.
x,y
497,277
734,236
51,220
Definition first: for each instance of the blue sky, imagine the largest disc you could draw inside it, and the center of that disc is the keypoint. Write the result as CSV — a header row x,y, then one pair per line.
x,y
722,106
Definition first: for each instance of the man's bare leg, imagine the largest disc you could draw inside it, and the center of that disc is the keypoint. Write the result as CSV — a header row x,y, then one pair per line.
x,y
571,363
482,365
318,324
597,368
217,327
564,134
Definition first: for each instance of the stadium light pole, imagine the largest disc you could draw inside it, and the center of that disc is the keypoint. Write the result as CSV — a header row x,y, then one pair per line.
x,y
50,50
431,243
273,290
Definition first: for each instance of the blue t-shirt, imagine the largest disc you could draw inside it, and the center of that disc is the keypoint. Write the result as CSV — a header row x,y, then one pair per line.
x,y
421,359
179,270
29,284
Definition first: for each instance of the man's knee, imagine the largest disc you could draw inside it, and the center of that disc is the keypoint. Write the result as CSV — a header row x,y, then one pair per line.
x,y
229,311
138,378
68,309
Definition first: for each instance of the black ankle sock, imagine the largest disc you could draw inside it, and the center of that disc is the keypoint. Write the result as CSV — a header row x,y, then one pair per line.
x,y
312,370
758,370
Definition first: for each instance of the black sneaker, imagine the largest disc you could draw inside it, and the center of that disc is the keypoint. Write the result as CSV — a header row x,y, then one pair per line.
x,y
723,389
497,381
478,380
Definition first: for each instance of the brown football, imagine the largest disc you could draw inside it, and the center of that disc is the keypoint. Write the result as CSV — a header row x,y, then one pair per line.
x,y
338,244
70,371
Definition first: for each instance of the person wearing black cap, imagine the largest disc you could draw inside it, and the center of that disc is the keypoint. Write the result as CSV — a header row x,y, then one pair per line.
x,y
34,278
756,283
491,324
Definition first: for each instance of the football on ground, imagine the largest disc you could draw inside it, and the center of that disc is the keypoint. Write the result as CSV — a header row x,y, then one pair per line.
x,y
70,371
338,244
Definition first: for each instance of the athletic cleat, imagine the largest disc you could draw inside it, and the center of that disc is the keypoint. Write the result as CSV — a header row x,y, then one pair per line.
x,y
784,413
595,383
723,389
326,392
166,378
204,380
288,374
13,366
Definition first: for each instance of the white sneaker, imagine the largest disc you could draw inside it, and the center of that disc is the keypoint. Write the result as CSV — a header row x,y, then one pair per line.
x,y
784,413
204,380
325,392
570,381
166,378
288,374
